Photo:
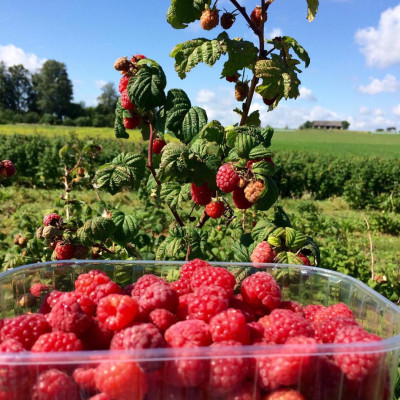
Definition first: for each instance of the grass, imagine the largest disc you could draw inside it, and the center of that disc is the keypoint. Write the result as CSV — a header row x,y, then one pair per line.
x,y
343,143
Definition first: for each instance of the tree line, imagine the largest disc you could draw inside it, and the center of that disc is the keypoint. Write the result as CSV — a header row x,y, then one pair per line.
x,y
46,96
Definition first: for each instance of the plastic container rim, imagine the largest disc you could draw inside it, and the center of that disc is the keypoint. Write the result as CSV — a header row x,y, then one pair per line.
x,y
151,355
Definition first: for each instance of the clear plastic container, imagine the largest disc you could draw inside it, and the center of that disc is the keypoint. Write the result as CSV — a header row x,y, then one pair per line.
x,y
185,373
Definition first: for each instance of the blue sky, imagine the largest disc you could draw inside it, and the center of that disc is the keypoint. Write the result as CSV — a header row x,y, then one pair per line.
x,y
354,47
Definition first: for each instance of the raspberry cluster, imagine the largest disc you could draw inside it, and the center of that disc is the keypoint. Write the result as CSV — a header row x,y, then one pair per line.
x,y
204,308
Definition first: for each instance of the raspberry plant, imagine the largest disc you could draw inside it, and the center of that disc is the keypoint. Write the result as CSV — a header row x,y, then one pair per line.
x,y
224,173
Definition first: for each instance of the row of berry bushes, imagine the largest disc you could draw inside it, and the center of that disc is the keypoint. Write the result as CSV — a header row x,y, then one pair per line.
x,y
365,183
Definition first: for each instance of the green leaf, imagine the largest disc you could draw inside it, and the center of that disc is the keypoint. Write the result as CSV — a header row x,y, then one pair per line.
x,y
274,241
287,257
197,239
312,9
254,119
240,252
262,230
144,130
260,152
269,197
280,218
170,248
188,54
263,169
176,108
125,170
295,239
314,249
299,50
146,88
182,12
244,143
213,132
126,227
160,121
194,121
173,161
242,54
96,230
173,193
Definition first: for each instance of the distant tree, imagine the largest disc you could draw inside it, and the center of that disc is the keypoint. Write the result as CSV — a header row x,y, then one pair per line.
x,y
391,128
53,88
345,125
21,94
108,98
76,110
379,130
4,86
306,125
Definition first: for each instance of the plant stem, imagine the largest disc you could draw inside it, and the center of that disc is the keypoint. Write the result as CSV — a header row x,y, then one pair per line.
x,y
153,171
371,246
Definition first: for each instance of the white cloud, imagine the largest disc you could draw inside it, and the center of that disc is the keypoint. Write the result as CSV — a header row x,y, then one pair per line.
x,y
396,110
100,83
306,94
274,33
388,84
378,112
381,45
364,110
12,55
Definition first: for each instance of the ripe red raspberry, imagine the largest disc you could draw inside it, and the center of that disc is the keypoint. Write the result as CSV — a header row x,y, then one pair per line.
x,y
53,297
207,301
304,259
226,374
104,290
240,200
254,190
14,380
158,296
67,316
37,289
84,378
356,366
256,16
201,195
117,311
230,325
51,219
86,283
132,122
7,169
64,251
97,337
162,319
256,332
144,282
26,329
334,311
188,268
325,332
188,334
55,385
283,324
263,253
236,301
311,310
292,306
227,178
213,276
158,145
261,291
121,380
126,102
123,83
182,312
57,341
215,209
117,342
265,377
138,57
209,19
101,396
247,391
181,286
87,305
285,394
232,78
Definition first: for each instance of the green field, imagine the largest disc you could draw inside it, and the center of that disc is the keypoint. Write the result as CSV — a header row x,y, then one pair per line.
x,y
349,143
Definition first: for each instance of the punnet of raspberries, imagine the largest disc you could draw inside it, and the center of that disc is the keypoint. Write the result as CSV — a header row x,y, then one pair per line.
x,y
203,312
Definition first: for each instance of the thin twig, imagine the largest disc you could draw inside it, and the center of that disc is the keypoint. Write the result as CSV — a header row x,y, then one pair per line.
x,y
189,250
242,11
133,248
371,246
203,219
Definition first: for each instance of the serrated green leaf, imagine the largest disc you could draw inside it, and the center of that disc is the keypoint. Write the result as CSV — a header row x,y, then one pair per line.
x,y
269,197
244,143
160,121
197,239
287,257
146,88
274,241
240,252
188,54
182,12
170,248
173,161
173,193
280,218
297,48
176,108
194,121
125,227
242,54
96,230
260,152
262,230
144,130
263,169
294,239
213,132
312,9
313,247
173,20
254,119
291,85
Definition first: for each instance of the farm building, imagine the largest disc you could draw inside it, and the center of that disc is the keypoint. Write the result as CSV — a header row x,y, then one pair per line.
x,y
327,125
